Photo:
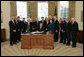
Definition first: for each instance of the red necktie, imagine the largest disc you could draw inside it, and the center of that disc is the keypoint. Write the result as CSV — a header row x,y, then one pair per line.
x,y
16,22
37,23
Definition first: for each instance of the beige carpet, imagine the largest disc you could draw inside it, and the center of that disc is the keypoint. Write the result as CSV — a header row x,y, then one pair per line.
x,y
59,50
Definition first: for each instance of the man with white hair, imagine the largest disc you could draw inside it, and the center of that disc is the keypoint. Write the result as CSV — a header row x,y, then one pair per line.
x,y
28,25
74,32
12,27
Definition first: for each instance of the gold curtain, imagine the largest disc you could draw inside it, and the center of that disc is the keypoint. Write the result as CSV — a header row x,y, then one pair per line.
x,y
13,8
71,9
33,9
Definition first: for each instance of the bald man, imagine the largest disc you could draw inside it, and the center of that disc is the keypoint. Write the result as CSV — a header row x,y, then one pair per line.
x,y
12,27
74,31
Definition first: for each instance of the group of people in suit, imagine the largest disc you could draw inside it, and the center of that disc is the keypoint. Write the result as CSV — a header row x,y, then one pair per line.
x,y
64,28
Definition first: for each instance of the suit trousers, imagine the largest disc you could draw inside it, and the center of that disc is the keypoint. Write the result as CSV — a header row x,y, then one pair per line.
x,y
74,38
12,38
56,36
64,37
61,37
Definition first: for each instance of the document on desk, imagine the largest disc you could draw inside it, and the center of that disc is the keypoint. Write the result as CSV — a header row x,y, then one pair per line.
x,y
37,32
33,33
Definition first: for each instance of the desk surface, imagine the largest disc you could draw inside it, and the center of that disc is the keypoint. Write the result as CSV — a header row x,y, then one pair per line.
x,y
37,33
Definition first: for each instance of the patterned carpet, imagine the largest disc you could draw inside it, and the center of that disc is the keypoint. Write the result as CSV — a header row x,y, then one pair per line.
x,y
59,50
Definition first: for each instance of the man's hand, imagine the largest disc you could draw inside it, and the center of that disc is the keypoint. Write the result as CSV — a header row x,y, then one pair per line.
x,y
63,31
14,30
33,28
42,31
18,29
46,29
56,31
22,29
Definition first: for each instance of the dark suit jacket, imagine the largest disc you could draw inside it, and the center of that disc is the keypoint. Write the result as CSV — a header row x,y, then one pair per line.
x,y
63,26
68,27
56,25
43,22
12,26
31,26
46,26
74,27
19,24
40,29
36,25
24,25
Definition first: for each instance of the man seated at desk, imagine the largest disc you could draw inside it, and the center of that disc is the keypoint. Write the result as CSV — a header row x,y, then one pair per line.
x,y
41,28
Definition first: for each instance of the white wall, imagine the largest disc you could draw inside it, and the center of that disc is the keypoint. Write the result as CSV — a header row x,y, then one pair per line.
x,y
78,9
5,7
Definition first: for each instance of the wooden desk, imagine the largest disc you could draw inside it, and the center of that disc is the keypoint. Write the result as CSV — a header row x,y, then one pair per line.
x,y
37,41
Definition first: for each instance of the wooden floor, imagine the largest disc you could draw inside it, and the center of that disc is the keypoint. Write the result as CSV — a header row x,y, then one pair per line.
x,y
59,50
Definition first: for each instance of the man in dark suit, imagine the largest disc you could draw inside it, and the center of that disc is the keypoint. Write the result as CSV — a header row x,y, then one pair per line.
x,y
63,29
41,28
32,26
43,21
36,25
46,22
19,28
56,33
24,25
12,31
74,29
68,31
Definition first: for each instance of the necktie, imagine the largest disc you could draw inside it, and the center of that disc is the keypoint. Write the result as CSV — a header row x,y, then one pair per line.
x,y
16,22
37,22
28,23
13,22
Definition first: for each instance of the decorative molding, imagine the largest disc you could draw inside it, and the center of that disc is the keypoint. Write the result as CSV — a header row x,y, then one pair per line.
x,y
1,16
71,9
81,16
13,8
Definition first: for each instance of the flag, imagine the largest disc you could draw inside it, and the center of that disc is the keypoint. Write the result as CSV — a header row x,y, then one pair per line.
x,y
29,13
55,12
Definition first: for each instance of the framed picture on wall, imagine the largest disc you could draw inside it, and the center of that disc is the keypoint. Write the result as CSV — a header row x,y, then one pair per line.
x,y
81,16
1,17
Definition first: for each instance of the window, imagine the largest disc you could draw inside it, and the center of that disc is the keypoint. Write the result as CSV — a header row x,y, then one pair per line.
x,y
42,10
64,5
22,10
